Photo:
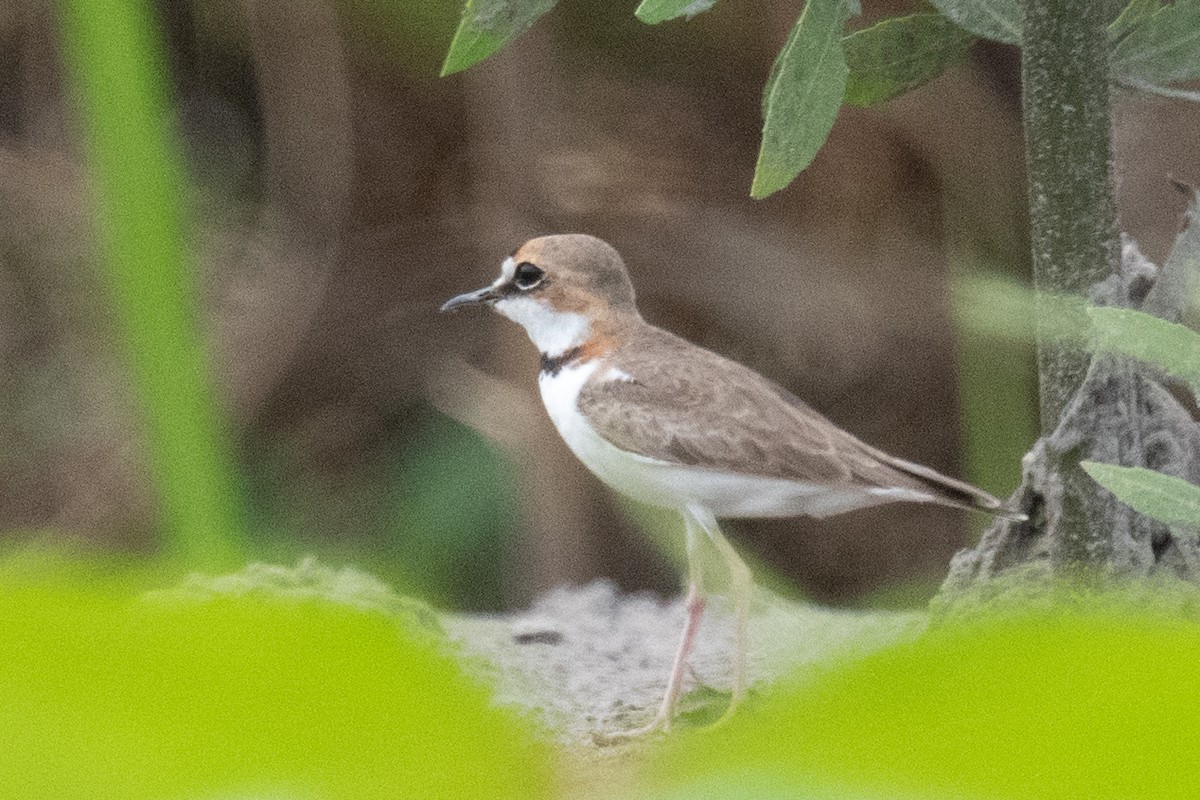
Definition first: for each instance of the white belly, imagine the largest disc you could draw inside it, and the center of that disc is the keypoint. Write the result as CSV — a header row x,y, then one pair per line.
x,y
661,483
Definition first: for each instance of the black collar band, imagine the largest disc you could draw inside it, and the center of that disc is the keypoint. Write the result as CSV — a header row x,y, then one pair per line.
x,y
553,365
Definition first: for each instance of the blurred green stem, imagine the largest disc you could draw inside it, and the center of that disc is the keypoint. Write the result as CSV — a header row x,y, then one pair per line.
x,y
117,74
1065,74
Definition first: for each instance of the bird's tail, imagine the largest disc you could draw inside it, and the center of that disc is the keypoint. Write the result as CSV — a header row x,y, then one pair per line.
x,y
951,492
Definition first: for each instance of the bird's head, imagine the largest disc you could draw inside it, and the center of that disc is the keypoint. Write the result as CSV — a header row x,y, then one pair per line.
x,y
559,288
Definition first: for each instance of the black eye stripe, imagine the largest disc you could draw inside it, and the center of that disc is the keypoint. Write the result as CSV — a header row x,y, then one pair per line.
x,y
527,275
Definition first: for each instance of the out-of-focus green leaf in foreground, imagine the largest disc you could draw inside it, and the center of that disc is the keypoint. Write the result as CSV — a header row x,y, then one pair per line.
x,y
1076,705
488,25
240,694
1001,307
117,74
1165,498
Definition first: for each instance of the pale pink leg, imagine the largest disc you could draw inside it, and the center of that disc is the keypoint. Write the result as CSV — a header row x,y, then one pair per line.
x,y
695,604
695,611
740,585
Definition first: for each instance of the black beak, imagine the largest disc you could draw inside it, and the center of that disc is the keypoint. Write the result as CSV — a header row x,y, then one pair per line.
x,y
480,296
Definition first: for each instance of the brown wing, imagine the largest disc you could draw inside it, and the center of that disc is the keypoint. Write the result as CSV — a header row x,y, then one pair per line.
x,y
690,406
687,405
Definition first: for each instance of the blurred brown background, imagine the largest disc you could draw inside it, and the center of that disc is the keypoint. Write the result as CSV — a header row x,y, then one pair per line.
x,y
340,191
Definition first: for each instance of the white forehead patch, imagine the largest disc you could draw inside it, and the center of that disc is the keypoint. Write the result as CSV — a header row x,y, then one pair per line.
x,y
507,268
553,332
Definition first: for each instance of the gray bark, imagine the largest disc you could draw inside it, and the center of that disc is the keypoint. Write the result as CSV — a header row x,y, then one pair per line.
x,y
1124,413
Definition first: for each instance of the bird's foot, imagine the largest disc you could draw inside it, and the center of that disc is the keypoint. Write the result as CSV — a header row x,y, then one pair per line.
x,y
661,724
735,701
664,719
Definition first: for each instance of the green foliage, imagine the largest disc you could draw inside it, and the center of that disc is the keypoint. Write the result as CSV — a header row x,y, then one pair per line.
x,y
999,20
802,96
1131,15
241,696
996,378
117,72
412,33
899,54
436,519
1165,498
452,509
768,784
1001,307
1173,348
812,75
653,12
1161,47
488,25
1072,705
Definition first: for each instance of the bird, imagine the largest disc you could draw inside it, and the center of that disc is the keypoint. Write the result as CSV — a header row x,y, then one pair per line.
x,y
672,424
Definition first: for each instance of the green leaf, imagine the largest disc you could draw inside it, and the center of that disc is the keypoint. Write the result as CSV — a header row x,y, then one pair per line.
x,y
1162,497
116,68
802,96
653,12
1001,707
767,783
488,25
245,694
1135,12
1173,348
899,54
1163,47
1004,309
999,20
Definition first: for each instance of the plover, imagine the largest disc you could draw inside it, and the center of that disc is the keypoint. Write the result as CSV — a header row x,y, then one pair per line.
x,y
672,424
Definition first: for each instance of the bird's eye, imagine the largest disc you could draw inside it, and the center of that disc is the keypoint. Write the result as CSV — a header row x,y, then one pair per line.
x,y
527,276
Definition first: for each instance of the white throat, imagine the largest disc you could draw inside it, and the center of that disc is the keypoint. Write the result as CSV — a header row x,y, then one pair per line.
x,y
553,332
